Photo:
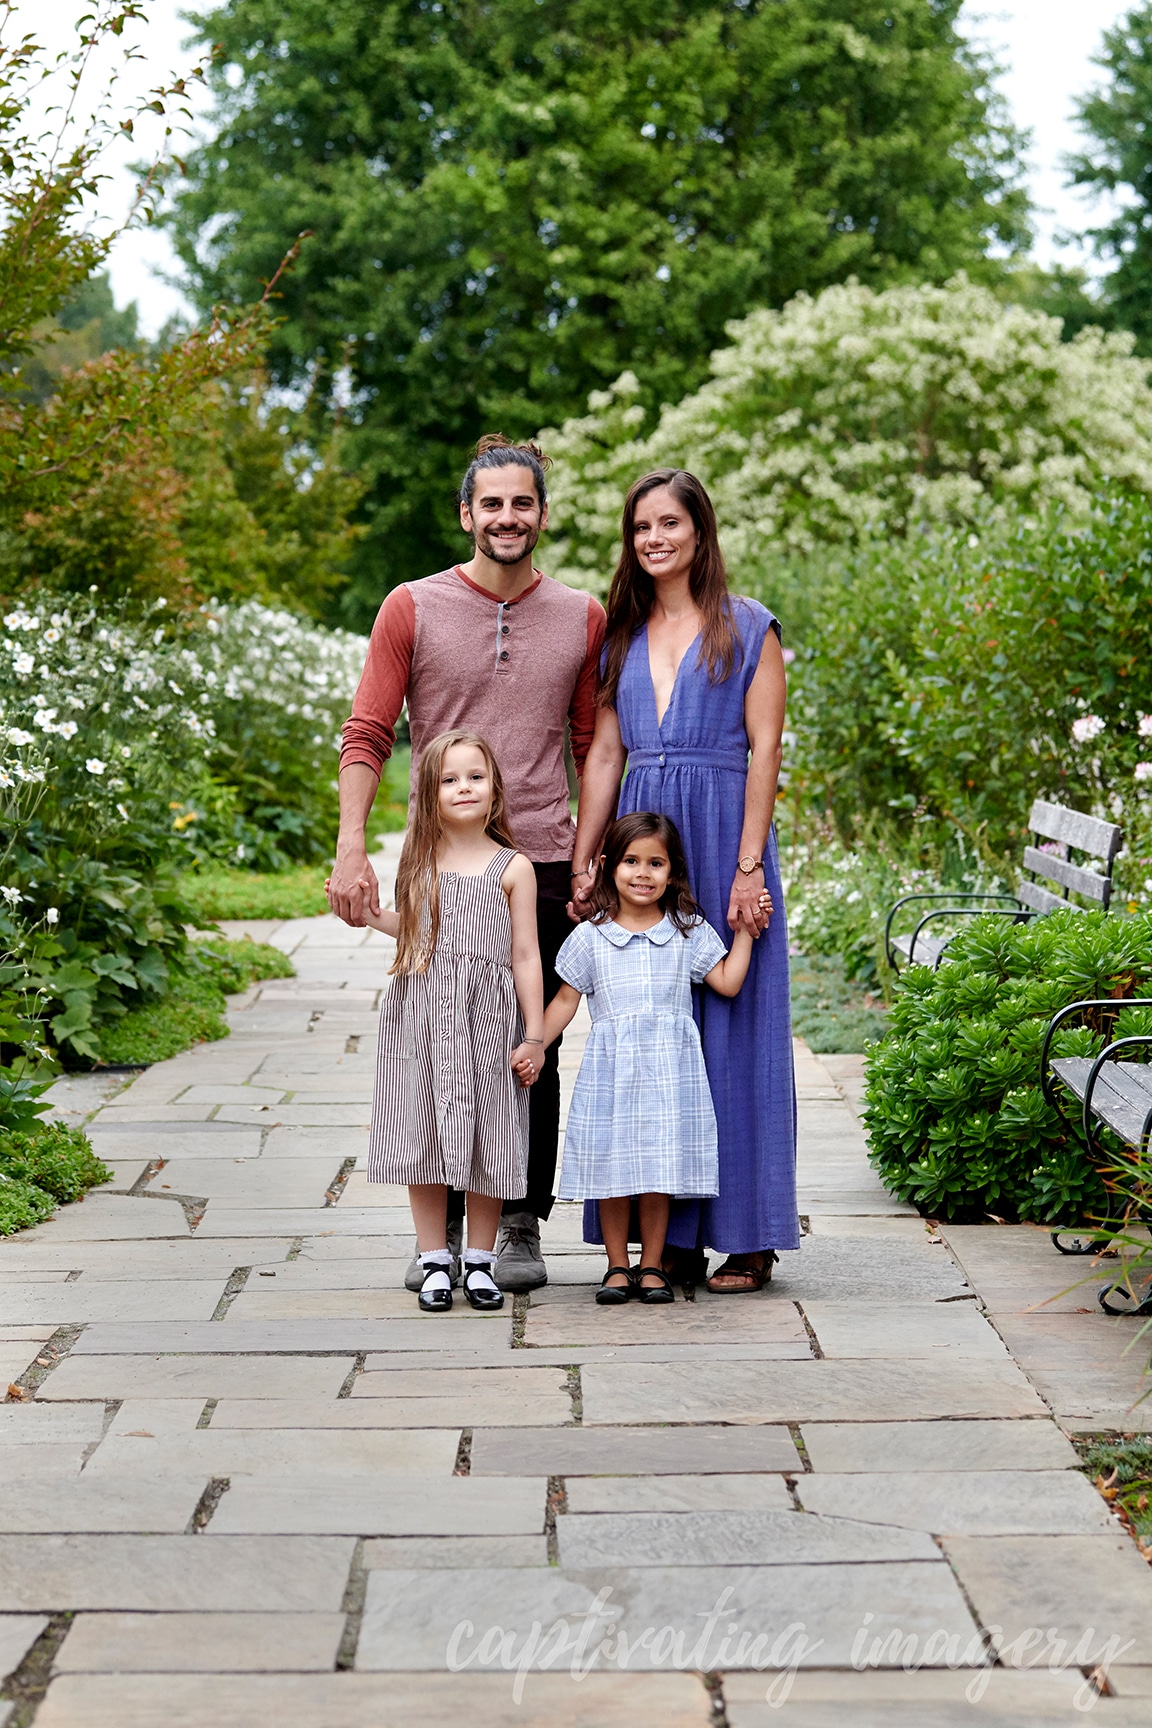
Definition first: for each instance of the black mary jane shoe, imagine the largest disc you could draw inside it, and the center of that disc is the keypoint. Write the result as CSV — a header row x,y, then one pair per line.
x,y
486,1301
612,1295
434,1301
653,1293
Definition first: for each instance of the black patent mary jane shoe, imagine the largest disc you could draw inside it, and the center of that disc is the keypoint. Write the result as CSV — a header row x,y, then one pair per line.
x,y
653,1293
479,1296
611,1295
435,1300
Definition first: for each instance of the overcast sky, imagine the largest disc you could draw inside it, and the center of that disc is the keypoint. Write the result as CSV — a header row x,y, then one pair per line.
x,y
1046,47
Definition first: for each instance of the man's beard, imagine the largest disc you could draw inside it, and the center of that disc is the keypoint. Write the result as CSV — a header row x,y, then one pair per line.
x,y
500,554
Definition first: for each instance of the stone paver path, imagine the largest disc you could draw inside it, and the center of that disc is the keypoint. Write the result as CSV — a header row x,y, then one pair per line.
x,y
254,1486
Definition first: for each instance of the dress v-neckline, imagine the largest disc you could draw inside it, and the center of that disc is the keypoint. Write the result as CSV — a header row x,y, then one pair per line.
x,y
660,718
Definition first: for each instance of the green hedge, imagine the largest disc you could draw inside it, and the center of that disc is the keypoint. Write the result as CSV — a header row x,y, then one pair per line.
x,y
956,1119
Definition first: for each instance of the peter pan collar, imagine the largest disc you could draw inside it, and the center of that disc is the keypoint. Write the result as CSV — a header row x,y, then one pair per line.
x,y
659,933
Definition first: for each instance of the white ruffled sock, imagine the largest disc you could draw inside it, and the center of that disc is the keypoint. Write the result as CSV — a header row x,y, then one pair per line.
x,y
477,1270
437,1264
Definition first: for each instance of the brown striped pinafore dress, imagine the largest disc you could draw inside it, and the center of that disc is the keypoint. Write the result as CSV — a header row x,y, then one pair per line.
x,y
447,1106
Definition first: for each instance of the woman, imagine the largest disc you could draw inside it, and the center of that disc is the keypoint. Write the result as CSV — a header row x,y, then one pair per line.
x,y
693,696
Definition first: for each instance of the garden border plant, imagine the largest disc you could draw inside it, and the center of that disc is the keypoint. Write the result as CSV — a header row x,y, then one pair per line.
x,y
956,1120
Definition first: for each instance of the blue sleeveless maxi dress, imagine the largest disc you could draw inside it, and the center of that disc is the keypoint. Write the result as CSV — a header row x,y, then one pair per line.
x,y
693,768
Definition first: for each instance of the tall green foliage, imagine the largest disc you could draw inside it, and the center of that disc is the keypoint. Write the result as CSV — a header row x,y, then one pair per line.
x,y
511,200
1117,162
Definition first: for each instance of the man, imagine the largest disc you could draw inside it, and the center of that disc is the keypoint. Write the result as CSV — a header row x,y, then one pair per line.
x,y
495,646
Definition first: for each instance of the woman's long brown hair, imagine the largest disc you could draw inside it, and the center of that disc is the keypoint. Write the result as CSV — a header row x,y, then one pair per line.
x,y
632,592
418,875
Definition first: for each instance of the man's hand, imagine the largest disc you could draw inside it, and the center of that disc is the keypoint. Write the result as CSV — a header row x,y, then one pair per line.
x,y
582,886
353,888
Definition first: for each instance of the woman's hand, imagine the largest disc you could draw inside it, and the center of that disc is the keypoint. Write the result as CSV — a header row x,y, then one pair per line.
x,y
526,1061
746,903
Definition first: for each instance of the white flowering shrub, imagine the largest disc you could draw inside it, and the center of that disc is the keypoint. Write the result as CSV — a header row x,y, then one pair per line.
x,y
107,729
857,412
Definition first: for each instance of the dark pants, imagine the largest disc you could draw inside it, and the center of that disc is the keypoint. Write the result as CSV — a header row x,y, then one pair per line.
x,y
553,892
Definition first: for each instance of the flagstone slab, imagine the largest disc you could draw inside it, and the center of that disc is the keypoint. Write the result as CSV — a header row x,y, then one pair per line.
x,y
697,1616
1033,1444
306,1221
37,1423
678,1494
453,1553
921,1696
1015,1267
298,1115
631,1451
903,1331
117,1261
14,1360
208,1140
965,1502
744,1538
880,1269
291,1452
115,1115
51,1461
200,1376
373,1503
1087,1366
200,1644
68,1304
224,1094
1131,1682
374,1701
307,1143
112,1217
249,1181
33,1506
18,1633
377,1272
231,1575
455,1330
429,1380
802,1391
148,1417
266,1302
466,1410
558,1316
1088,1589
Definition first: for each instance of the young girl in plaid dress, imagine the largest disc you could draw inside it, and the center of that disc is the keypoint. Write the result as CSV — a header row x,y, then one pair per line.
x,y
641,1127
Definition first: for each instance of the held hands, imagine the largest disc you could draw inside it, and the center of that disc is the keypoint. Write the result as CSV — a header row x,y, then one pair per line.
x,y
582,882
750,905
527,1060
353,891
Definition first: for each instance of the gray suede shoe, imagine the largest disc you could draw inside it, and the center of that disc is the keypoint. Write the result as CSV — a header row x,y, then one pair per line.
x,y
519,1262
414,1277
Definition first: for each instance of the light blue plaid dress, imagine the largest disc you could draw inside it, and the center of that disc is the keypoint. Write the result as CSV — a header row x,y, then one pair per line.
x,y
641,1120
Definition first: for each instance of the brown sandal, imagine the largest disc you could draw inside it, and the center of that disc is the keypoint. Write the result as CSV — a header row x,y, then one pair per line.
x,y
737,1266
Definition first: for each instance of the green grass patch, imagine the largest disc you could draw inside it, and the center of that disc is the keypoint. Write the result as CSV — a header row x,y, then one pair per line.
x,y
40,1169
832,1014
193,1010
217,892
1122,1470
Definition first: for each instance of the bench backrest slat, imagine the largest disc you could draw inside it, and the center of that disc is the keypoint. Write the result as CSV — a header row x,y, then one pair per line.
x,y
1087,882
1087,833
1031,894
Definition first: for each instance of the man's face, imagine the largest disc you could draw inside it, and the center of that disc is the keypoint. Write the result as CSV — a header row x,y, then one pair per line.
x,y
505,518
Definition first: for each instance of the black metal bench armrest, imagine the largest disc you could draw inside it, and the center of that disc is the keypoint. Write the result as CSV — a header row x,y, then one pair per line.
x,y
1138,1039
1051,1096
907,899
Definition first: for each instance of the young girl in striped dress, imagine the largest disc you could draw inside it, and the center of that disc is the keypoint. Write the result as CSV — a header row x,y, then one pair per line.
x,y
461,1023
641,1127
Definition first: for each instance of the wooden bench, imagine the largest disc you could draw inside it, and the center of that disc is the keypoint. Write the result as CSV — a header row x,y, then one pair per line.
x,y
1110,1091
1072,832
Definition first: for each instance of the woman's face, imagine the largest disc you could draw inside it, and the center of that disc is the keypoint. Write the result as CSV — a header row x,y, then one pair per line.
x,y
664,535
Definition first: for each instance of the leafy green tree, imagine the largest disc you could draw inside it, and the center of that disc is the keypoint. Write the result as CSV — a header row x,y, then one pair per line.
x,y
511,200
1118,161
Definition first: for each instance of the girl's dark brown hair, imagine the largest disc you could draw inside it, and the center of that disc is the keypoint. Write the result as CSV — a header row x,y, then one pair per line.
x,y
418,877
676,899
632,592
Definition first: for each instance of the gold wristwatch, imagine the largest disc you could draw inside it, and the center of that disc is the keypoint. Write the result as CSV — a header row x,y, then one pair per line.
x,y
747,864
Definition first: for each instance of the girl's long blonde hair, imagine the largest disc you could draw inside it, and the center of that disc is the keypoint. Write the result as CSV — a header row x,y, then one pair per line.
x,y
418,876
